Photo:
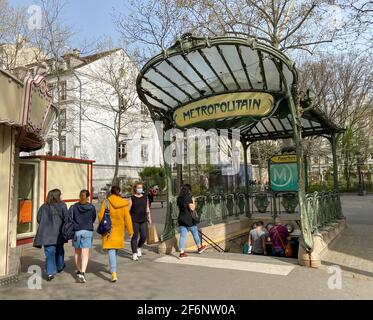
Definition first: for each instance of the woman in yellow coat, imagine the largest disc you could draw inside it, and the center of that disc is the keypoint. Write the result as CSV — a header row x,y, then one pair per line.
x,y
120,218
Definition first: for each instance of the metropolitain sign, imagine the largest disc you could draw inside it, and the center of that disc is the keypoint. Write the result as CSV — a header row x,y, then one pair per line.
x,y
239,104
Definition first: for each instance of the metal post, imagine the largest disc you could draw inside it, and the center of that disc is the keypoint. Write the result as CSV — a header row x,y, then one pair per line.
x,y
307,238
245,146
306,174
333,141
170,223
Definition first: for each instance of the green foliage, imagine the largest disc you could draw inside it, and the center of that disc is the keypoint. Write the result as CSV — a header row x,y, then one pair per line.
x,y
153,176
343,186
262,151
126,186
320,186
196,189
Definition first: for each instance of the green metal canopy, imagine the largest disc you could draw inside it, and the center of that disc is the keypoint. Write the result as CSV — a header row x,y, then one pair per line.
x,y
241,84
197,69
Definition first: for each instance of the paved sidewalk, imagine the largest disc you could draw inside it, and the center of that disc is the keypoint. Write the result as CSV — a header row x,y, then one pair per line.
x,y
353,249
213,275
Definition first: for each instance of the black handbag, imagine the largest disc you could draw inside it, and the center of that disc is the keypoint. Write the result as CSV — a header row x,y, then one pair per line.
x,y
195,216
68,228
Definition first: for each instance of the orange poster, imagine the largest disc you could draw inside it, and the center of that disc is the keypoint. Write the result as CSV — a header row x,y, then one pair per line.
x,y
25,211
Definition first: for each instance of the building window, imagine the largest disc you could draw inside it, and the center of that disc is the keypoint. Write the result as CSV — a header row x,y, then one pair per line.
x,y
63,119
49,147
26,199
63,147
63,90
144,152
122,150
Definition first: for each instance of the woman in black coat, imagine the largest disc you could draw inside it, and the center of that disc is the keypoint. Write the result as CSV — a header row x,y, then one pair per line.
x,y
51,217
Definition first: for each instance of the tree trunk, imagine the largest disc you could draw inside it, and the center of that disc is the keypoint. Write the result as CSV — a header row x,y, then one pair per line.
x,y
260,172
347,175
115,180
320,175
59,125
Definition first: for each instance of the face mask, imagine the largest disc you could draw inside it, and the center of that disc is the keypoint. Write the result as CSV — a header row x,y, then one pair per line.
x,y
139,191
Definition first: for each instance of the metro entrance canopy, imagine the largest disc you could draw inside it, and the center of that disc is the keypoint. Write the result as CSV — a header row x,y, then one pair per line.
x,y
227,83
234,83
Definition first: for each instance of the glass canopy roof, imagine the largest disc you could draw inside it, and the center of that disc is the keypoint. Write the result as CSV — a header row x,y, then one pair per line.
x,y
196,69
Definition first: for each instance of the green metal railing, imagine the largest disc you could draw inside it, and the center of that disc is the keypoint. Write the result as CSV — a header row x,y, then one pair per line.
x,y
323,208
218,207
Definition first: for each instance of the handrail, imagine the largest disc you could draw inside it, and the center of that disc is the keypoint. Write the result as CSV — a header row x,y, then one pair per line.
x,y
211,242
323,209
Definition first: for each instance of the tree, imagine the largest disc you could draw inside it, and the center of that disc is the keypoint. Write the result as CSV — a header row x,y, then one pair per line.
x,y
153,25
112,103
53,39
285,24
344,91
261,152
39,50
359,25
14,35
153,176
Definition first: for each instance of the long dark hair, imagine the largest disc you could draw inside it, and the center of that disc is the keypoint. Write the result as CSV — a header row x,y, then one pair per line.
x,y
54,196
185,191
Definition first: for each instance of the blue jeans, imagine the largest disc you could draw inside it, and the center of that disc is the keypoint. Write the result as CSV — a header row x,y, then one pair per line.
x,y
183,235
55,258
112,259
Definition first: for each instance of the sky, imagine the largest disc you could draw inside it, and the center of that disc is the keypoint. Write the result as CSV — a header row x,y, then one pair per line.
x,y
90,19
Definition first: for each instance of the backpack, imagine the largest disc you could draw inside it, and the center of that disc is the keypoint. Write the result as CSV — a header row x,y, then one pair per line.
x,y
104,227
68,229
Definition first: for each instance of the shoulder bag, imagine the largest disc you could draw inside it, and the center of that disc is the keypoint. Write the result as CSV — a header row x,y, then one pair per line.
x,y
287,249
68,228
104,227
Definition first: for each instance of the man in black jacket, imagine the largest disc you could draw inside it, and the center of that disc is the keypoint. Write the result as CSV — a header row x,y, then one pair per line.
x,y
83,215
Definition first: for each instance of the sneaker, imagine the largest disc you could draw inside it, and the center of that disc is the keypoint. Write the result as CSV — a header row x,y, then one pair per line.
x,y
201,249
182,255
50,278
82,277
135,257
139,252
79,277
114,277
